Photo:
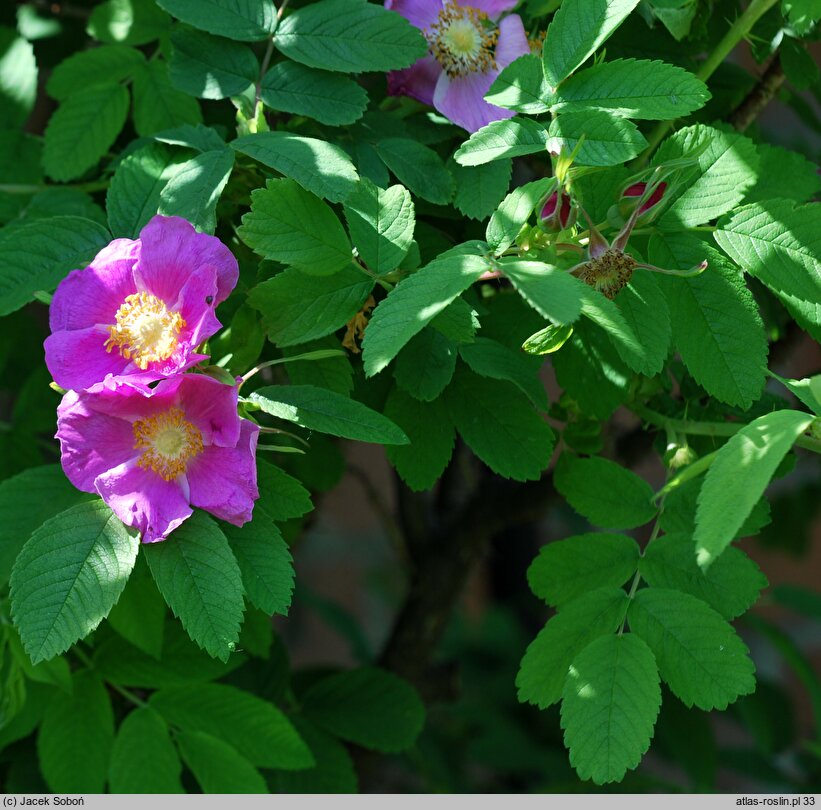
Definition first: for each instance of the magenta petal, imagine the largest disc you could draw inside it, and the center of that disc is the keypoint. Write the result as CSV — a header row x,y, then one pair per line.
x,y
211,406
93,294
418,81
493,8
78,359
512,41
172,250
223,480
462,101
196,304
421,13
90,442
144,500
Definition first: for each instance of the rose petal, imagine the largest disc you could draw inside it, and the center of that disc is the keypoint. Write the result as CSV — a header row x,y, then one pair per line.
x,y
461,100
421,13
418,81
493,8
210,405
512,41
78,359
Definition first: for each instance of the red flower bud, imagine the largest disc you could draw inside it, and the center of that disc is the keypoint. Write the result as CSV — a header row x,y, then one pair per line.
x,y
637,189
557,212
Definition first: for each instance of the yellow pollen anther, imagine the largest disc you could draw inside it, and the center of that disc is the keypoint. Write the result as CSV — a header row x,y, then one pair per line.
x,y
168,441
146,330
462,41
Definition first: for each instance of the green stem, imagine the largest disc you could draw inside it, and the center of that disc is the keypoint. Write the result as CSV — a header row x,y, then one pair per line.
x,y
738,30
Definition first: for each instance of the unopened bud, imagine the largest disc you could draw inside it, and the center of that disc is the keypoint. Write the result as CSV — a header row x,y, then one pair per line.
x,y
558,213
678,456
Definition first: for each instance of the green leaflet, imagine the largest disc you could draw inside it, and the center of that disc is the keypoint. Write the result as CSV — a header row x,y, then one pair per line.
x,y
570,568
18,79
604,492
327,97
371,707
68,576
514,211
607,315
609,706
715,322
546,663
381,223
199,578
140,613
507,138
236,19
730,586
291,225
143,757
195,186
20,162
318,166
608,140
426,364
107,64
415,301
430,430
698,653
480,189
83,128
206,66
725,169
418,167
75,737
493,416
579,28
257,729
521,86
783,173
633,88
158,105
334,373
328,412
217,766
350,36
297,308
128,22
551,291
194,136
738,477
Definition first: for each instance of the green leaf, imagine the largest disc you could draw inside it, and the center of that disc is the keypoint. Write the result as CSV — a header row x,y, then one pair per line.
x,y
158,105
143,758
291,225
107,64
370,707
579,28
194,136
633,88
726,168
257,729
333,372
730,586
609,706
68,576
18,79
297,308
82,130
699,655
494,417
458,321
604,492
134,193
217,766
265,562
37,255
350,36
779,244
211,67
546,663
319,167
570,568
194,188
521,86
418,167
247,20
480,189
139,615
75,738
516,208
738,477
327,97
608,141
506,138
381,223
328,412
26,501
281,496
415,301
198,576
20,162
430,430
716,326
489,358
607,315
425,365
128,22
552,292
548,340
783,173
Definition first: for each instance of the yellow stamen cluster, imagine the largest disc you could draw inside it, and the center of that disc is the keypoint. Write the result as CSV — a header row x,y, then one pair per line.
x,y
462,40
146,331
168,441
